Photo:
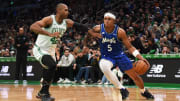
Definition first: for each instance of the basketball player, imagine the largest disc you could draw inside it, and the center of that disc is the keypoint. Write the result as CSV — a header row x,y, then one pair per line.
x,y
111,39
49,29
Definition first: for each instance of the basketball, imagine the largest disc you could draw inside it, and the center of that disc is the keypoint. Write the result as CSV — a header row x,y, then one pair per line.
x,y
140,67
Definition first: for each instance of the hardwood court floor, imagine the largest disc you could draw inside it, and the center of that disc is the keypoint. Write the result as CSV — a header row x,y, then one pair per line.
x,y
82,93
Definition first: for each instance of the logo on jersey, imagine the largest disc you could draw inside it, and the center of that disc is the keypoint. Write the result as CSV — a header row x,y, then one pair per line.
x,y
29,69
57,28
112,40
156,71
177,75
4,71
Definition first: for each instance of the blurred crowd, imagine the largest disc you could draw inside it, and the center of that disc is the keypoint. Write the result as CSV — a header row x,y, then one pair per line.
x,y
152,26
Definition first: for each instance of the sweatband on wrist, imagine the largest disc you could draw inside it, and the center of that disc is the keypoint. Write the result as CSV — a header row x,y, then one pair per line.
x,y
135,53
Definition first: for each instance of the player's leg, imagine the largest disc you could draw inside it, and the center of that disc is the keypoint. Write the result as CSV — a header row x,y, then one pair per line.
x,y
126,65
106,66
48,74
139,82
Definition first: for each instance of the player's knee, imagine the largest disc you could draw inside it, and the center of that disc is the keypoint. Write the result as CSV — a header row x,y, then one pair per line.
x,y
49,61
105,65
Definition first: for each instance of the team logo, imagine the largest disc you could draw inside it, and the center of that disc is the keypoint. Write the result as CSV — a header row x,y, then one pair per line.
x,y
4,71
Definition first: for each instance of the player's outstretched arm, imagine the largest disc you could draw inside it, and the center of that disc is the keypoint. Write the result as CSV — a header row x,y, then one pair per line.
x,y
122,36
95,31
81,27
45,22
76,25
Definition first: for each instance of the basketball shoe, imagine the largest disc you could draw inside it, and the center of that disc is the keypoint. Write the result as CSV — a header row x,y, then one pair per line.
x,y
147,95
45,97
124,93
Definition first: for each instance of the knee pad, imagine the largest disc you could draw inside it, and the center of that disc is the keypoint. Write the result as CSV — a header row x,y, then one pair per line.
x,y
48,61
105,65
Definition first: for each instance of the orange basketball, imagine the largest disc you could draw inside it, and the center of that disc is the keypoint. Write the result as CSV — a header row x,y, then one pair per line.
x,y
140,67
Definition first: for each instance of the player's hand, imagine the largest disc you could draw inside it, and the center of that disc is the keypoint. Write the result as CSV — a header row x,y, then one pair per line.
x,y
55,34
146,62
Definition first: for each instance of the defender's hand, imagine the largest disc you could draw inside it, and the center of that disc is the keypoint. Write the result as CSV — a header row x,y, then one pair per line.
x,y
55,34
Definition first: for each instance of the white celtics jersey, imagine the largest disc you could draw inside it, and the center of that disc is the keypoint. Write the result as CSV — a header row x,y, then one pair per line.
x,y
48,44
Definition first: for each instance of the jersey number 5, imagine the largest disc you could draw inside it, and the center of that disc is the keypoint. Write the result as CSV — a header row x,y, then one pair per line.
x,y
109,47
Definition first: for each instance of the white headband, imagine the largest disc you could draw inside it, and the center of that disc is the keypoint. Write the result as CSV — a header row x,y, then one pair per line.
x,y
110,15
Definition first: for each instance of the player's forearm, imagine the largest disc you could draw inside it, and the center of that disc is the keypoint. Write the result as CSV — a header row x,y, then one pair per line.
x,y
80,27
135,53
37,29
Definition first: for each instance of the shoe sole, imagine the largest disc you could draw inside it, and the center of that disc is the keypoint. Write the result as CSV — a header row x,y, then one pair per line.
x,y
39,97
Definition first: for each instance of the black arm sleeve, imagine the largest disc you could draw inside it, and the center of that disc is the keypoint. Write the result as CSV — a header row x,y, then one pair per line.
x,y
80,27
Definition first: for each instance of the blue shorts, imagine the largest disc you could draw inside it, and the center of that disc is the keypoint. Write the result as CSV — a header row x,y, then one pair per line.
x,y
122,62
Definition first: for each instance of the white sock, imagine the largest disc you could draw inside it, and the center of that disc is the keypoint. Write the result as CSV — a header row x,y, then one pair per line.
x,y
142,90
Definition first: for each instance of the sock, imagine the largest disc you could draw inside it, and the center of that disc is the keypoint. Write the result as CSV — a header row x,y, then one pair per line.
x,y
48,75
45,88
142,90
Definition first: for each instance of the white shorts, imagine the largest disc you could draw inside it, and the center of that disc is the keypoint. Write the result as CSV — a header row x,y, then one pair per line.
x,y
38,54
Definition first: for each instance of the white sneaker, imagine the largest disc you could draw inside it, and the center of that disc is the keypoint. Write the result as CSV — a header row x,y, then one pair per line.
x,y
16,81
100,83
66,81
106,83
24,81
60,80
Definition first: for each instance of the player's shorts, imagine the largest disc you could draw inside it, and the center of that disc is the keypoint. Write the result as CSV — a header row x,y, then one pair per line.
x,y
38,54
123,62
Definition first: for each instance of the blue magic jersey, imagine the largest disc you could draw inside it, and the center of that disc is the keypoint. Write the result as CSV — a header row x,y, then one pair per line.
x,y
112,49
109,44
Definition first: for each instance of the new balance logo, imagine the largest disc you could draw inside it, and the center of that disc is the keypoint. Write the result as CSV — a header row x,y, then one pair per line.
x,y
29,69
178,71
4,69
156,68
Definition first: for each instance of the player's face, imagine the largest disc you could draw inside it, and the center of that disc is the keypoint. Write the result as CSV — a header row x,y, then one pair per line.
x,y
108,21
64,12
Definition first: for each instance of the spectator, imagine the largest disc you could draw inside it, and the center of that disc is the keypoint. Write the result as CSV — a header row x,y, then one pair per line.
x,y
65,70
175,49
95,71
82,67
21,44
165,50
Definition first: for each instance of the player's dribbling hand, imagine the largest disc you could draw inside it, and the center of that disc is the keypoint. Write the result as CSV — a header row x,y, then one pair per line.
x,y
55,34
146,62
